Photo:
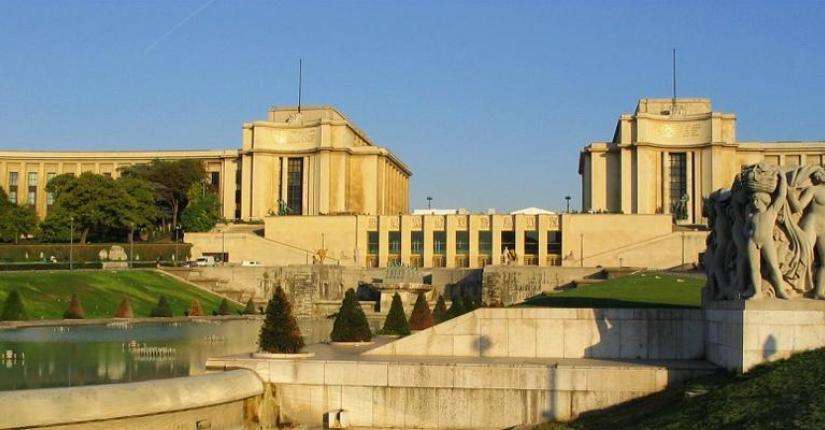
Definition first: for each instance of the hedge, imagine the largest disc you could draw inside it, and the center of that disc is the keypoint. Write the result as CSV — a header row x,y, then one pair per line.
x,y
148,252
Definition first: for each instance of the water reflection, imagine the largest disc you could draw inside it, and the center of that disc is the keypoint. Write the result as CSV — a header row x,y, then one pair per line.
x,y
42,357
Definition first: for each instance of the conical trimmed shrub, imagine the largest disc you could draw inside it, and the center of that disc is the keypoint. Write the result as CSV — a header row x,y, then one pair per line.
x,y
223,308
75,310
440,310
195,309
249,309
469,300
163,309
456,308
396,322
124,309
13,308
350,323
280,333
421,317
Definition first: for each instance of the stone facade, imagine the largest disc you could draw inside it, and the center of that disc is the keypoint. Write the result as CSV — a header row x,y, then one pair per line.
x,y
665,157
313,162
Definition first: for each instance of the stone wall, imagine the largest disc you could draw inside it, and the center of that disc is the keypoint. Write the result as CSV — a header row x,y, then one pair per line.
x,y
508,285
654,334
227,400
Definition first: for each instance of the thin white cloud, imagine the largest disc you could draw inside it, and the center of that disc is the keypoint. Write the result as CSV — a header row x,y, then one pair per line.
x,y
175,27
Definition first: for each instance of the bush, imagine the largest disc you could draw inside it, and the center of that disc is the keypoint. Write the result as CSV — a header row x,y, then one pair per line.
x,y
280,333
440,311
421,317
470,302
75,310
396,322
124,309
223,308
249,309
162,309
13,308
90,252
350,323
456,308
195,309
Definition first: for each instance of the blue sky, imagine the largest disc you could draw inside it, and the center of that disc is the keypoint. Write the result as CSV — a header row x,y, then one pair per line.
x,y
487,102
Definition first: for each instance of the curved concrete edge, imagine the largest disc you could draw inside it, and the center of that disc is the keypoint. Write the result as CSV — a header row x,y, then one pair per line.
x,y
56,406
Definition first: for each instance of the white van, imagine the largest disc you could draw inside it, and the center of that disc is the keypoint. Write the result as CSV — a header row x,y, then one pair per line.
x,y
248,263
207,261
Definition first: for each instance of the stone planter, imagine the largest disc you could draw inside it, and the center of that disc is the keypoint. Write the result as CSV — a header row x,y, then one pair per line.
x,y
279,356
351,343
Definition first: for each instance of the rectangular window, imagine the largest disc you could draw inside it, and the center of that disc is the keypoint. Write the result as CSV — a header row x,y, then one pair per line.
x,y
508,241
32,196
13,187
372,242
395,242
531,242
32,180
439,242
295,186
485,242
50,196
215,179
417,242
678,184
462,242
554,242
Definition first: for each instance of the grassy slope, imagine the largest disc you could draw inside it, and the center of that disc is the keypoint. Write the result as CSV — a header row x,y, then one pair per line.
x,y
46,294
788,394
638,290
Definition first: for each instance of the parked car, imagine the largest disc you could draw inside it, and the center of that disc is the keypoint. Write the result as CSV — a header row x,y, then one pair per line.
x,y
248,263
207,261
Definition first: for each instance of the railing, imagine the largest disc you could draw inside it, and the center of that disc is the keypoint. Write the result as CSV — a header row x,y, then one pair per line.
x,y
531,260
484,260
438,261
416,261
462,261
372,261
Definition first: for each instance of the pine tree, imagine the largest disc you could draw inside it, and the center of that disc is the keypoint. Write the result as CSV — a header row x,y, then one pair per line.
x,y
124,309
396,322
13,308
280,333
250,308
195,309
456,308
162,309
350,323
75,310
421,317
223,308
440,311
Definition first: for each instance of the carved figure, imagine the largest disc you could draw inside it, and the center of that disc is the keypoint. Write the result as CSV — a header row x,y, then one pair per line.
x,y
811,203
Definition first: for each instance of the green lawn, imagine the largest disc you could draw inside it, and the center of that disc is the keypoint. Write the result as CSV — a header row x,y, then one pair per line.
x,y
787,394
641,290
46,294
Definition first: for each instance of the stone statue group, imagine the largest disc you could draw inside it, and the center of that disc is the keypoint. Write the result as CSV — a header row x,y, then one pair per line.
x,y
769,225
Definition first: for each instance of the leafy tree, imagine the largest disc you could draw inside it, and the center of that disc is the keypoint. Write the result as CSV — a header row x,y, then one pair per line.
x,y
124,309
249,309
171,181
15,220
421,317
163,309
75,310
99,206
396,322
456,308
440,310
13,308
202,212
223,308
280,332
350,323
195,309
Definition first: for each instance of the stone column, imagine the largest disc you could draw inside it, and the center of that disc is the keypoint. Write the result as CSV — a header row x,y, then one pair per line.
x,y
542,227
495,227
449,232
518,228
383,240
473,228
406,238
429,221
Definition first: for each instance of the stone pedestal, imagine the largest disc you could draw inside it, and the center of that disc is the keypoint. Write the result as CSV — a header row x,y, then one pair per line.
x,y
407,290
742,334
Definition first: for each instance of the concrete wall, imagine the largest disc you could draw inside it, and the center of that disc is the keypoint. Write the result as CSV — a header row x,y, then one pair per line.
x,y
676,249
656,334
587,235
741,335
222,400
509,285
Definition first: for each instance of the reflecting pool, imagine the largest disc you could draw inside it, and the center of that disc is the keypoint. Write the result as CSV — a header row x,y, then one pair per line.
x,y
62,356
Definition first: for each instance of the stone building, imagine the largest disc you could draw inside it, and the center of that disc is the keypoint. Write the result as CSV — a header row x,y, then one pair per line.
x,y
313,162
666,156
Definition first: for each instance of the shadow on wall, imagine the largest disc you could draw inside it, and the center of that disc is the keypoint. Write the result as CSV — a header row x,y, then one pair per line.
x,y
769,348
